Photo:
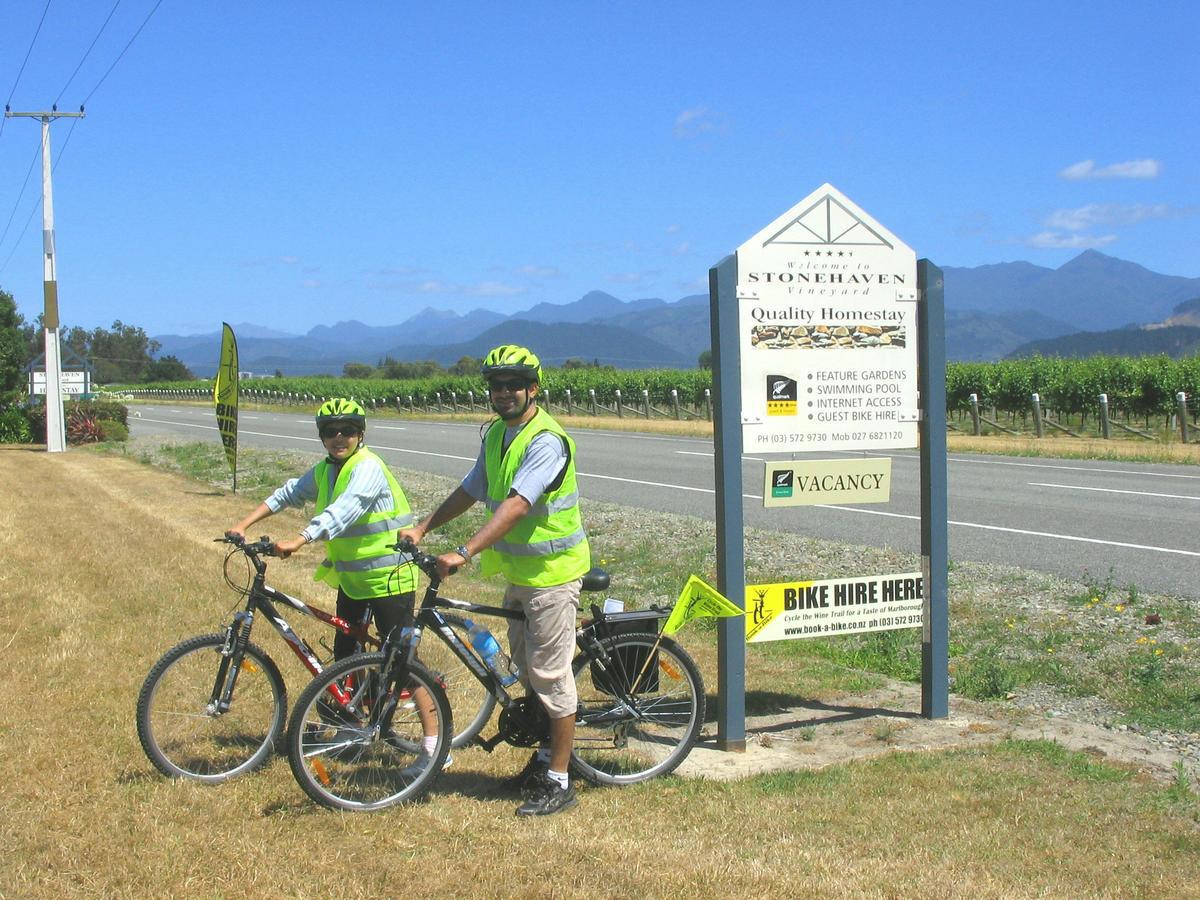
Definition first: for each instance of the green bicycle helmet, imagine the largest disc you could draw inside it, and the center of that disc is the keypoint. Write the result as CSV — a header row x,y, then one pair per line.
x,y
339,410
511,359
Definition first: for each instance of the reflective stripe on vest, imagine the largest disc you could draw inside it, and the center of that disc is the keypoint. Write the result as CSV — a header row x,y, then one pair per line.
x,y
548,545
361,561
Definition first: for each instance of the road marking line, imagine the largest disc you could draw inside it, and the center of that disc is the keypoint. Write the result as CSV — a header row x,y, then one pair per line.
x,y
850,509
1077,487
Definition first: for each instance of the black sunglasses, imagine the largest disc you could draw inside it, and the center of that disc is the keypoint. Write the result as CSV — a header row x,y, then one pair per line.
x,y
507,384
330,431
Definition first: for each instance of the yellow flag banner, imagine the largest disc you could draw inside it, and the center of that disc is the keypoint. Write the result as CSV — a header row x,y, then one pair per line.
x,y
225,397
697,600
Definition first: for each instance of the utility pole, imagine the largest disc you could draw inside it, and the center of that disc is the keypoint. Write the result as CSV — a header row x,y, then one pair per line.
x,y
56,433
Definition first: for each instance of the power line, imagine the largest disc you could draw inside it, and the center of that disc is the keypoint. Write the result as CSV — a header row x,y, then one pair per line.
x,y
87,52
33,210
33,162
122,53
26,60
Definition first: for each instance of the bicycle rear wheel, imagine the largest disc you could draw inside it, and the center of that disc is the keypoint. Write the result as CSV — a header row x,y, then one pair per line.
x,y
365,752
180,729
470,701
616,743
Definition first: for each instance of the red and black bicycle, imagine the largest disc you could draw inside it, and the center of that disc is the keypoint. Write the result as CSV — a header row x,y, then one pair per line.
x,y
214,706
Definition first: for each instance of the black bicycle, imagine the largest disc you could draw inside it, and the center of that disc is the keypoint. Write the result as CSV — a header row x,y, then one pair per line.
x,y
641,705
214,706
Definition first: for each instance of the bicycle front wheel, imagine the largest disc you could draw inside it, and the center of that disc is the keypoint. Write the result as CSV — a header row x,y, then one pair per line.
x,y
470,700
182,731
619,742
354,746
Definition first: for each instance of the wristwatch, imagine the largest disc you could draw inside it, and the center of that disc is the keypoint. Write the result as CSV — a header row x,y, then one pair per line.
x,y
462,551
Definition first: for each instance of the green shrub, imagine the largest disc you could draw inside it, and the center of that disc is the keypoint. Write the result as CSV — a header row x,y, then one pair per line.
x,y
89,409
985,677
111,430
14,426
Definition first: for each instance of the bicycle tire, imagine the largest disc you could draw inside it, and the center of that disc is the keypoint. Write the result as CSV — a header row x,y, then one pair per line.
x,y
343,762
471,703
615,745
181,734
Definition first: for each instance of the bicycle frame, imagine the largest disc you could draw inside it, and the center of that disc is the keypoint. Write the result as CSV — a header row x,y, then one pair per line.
x,y
261,597
587,639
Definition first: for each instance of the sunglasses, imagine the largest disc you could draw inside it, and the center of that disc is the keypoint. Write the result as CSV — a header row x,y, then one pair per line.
x,y
331,431
507,384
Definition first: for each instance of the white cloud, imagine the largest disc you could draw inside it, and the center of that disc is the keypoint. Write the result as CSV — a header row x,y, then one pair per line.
x,y
674,229
697,121
311,283
1087,170
433,286
1111,214
632,277
494,289
696,285
539,271
681,249
1055,240
271,261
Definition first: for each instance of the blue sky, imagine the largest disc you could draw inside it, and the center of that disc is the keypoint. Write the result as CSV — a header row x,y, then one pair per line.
x,y
293,164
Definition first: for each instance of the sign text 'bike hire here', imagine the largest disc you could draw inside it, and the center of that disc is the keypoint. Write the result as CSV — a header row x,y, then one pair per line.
x,y
805,609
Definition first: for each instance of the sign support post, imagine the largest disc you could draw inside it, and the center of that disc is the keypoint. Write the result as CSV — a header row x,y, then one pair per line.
x,y
727,462
931,383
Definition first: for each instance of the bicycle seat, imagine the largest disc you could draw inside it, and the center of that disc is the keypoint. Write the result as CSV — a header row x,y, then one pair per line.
x,y
595,580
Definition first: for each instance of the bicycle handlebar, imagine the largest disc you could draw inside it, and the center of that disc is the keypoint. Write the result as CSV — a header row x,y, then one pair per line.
x,y
426,562
264,546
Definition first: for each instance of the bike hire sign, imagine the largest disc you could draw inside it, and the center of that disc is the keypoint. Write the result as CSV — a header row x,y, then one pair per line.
x,y
806,609
827,327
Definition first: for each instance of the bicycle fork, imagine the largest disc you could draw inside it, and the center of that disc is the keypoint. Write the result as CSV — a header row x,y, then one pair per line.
x,y
233,654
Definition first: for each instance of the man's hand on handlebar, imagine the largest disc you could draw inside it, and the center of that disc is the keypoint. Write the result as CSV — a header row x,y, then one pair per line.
x,y
449,563
284,549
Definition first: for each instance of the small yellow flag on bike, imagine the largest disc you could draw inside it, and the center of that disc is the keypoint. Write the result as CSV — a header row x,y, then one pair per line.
x,y
697,600
225,396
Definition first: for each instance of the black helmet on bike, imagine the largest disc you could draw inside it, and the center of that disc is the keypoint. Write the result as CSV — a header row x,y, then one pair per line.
x,y
340,411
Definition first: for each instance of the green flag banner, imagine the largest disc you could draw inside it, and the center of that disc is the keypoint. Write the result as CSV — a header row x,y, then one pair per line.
x,y
225,396
696,600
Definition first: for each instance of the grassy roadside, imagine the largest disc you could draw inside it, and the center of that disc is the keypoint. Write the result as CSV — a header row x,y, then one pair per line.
x,y
125,568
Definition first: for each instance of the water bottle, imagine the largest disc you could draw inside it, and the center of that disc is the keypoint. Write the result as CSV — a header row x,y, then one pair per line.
x,y
489,648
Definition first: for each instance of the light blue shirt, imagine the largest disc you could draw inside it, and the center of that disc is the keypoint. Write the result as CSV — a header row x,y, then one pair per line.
x,y
367,491
544,459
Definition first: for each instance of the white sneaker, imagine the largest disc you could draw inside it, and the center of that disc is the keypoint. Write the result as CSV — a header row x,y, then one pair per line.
x,y
421,763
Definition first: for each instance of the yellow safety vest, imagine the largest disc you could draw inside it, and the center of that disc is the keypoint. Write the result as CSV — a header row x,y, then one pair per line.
x,y
361,560
548,545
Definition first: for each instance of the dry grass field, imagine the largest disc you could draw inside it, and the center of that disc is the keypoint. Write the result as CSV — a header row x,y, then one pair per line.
x,y
108,562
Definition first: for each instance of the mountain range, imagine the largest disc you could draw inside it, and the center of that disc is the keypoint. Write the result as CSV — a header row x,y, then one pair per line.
x,y
991,311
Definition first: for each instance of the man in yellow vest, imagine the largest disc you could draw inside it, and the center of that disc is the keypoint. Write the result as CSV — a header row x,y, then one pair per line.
x,y
525,473
359,508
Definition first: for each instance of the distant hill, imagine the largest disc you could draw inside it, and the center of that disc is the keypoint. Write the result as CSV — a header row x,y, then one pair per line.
x,y
1176,341
1092,292
1186,313
991,311
557,342
979,336
1177,336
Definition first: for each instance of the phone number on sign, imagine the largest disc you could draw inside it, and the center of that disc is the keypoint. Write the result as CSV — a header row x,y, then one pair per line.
x,y
821,437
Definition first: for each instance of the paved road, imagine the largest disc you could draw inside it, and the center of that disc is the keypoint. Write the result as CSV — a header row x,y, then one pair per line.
x,y
1140,521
